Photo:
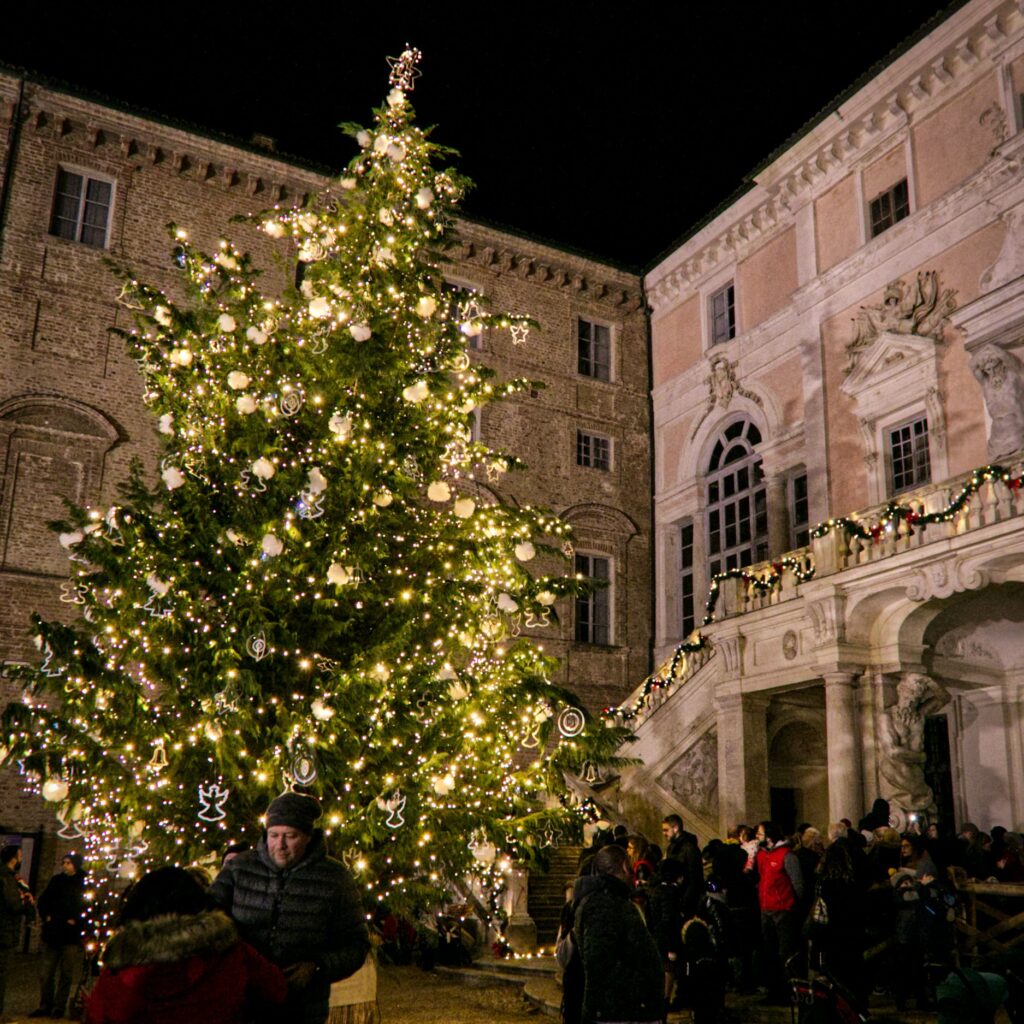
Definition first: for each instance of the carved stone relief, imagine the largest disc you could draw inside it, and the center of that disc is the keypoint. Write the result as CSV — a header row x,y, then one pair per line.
x,y
953,646
722,385
1009,264
920,309
995,117
945,577
1001,376
790,645
694,777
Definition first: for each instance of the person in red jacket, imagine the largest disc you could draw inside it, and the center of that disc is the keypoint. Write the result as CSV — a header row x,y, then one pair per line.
x,y
780,891
174,959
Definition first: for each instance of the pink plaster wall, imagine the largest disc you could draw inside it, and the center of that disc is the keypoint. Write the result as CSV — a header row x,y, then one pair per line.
x,y
1017,75
784,382
672,440
952,144
766,279
959,267
837,224
883,173
676,341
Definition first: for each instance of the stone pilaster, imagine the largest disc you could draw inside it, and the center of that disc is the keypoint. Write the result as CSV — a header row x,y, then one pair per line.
x,y
743,793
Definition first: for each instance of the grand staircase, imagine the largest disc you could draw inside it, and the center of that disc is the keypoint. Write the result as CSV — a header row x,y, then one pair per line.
x,y
546,892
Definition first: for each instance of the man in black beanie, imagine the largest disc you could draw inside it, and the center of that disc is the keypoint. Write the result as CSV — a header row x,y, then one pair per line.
x,y
297,906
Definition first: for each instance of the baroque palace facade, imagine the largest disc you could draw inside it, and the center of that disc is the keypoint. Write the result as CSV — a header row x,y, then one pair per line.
x,y
837,355
83,181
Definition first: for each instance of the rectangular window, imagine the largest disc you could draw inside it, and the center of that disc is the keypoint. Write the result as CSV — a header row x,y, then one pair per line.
x,y
889,207
909,464
593,451
81,209
593,611
799,512
687,607
723,314
594,350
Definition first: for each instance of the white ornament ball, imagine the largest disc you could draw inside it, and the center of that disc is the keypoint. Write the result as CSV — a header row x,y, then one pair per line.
x,y
381,143
426,306
341,426
321,711
439,491
271,546
525,551
263,468
471,328
338,574
226,323
222,259
234,536
317,482
157,585
237,380
55,790
181,357
465,507
214,733
424,198
396,152
173,478
546,598
166,423
273,228
383,498
416,392
363,137
442,785
396,97
68,540
245,404
256,335
348,183
485,853
162,315
361,332
320,308
507,604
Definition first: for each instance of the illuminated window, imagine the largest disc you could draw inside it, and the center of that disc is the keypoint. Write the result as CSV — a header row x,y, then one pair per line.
x,y
737,504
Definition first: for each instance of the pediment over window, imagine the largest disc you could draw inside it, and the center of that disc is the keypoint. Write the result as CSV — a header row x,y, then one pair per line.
x,y
893,363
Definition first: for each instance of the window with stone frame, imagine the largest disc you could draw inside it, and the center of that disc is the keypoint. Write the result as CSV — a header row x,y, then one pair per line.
x,y
908,462
81,208
736,500
722,314
799,511
593,450
687,606
594,350
888,207
593,610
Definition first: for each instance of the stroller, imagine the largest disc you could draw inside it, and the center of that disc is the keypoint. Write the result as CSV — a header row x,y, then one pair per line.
x,y
818,997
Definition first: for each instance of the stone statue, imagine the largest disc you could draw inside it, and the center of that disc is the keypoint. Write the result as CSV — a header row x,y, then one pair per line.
x,y
902,744
920,309
1001,376
722,385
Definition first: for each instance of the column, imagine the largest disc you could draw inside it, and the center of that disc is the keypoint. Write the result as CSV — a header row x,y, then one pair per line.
x,y
743,792
521,931
845,786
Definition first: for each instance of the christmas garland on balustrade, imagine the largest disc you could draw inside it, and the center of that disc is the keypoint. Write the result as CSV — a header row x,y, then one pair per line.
x,y
765,580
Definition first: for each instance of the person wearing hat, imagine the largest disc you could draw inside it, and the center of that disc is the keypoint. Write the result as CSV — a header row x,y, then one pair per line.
x,y
62,911
299,907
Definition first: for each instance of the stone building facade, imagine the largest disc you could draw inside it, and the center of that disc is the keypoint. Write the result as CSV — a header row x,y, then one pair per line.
x,y
847,333
81,182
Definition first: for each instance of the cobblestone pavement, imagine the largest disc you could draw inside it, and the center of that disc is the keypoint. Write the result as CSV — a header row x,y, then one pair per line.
x,y
406,995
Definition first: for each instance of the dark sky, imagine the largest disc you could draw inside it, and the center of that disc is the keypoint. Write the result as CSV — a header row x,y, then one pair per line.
x,y
608,127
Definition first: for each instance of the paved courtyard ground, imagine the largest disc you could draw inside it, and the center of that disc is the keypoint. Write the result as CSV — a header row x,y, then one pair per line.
x,y
406,995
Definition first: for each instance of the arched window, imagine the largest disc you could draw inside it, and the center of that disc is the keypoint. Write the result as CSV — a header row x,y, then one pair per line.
x,y
737,505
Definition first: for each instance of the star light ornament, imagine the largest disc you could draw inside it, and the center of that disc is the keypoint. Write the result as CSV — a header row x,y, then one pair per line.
x,y
403,69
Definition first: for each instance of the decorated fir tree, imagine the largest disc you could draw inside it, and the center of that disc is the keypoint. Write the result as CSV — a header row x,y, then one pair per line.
x,y
311,590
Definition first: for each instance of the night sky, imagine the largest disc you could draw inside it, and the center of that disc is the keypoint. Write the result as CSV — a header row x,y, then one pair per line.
x,y
612,128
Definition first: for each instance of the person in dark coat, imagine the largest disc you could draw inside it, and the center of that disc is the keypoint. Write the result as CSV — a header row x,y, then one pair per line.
x,y
299,907
841,941
622,976
682,846
665,918
62,909
173,959
16,904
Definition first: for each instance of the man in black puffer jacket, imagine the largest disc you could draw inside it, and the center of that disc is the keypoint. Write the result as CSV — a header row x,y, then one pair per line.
x,y
622,976
297,906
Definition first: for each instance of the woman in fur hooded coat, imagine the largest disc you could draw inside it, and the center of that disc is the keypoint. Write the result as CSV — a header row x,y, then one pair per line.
x,y
174,959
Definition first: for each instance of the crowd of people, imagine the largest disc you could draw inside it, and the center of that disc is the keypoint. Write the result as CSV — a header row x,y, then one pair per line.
x,y
864,907
265,941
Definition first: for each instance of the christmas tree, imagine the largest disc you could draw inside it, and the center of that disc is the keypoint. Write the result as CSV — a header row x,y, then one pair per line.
x,y
311,591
